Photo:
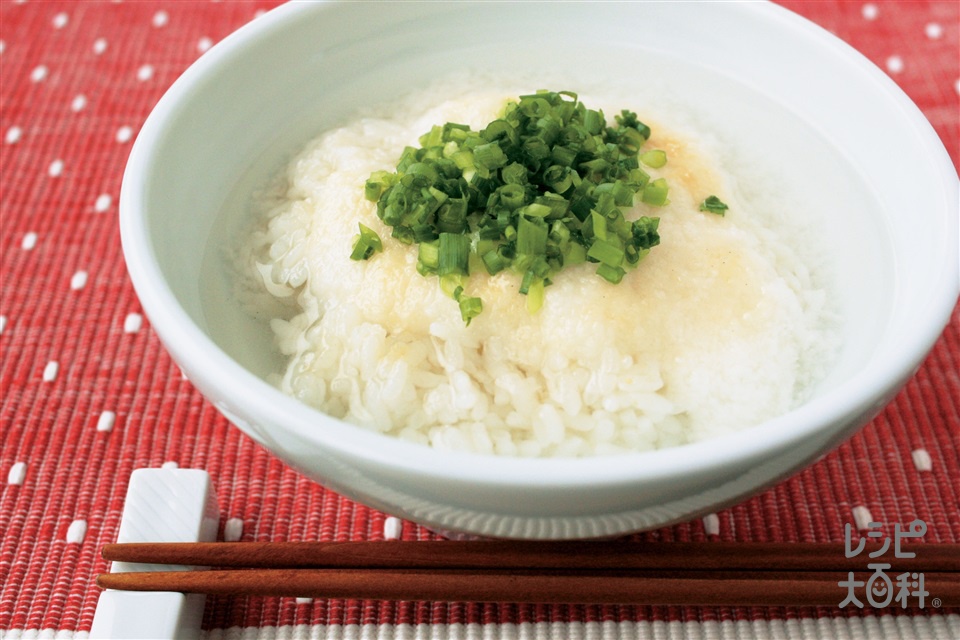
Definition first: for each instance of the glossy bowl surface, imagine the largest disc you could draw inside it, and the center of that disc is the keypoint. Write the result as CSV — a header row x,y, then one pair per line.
x,y
799,101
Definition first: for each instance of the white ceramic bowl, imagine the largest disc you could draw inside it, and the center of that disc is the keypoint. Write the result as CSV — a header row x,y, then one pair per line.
x,y
798,101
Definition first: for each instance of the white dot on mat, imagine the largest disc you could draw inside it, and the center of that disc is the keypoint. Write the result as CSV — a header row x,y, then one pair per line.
x,y
99,45
106,421
29,240
132,323
39,73
711,524
921,460
102,203
894,64
56,168
144,73
3,324
77,531
170,464
3,46
124,134
78,281
933,30
304,600
50,371
956,85
160,19
392,528
233,529
862,518
870,11
13,135
60,20
79,102
203,44
17,474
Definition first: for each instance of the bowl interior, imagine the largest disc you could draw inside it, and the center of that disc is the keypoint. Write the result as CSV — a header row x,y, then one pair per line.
x,y
813,148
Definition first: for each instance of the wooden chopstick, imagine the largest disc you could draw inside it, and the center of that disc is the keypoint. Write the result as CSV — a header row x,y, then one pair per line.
x,y
648,588
732,574
513,554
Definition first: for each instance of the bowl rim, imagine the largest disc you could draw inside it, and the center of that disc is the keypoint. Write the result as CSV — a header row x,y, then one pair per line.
x,y
219,376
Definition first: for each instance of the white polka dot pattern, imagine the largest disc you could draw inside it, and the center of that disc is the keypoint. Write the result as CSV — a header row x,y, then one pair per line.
x,y
78,280
132,323
102,203
862,518
50,371
233,530
17,473
711,524
392,528
922,460
77,531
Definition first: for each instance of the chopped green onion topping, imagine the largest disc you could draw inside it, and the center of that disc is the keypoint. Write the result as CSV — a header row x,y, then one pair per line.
x,y
655,158
713,204
366,243
537,189
655,193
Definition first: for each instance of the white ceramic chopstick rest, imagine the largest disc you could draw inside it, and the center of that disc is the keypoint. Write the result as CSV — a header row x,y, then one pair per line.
x,y
162,505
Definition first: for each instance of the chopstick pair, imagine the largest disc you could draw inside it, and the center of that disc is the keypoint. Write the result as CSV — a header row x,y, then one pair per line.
x,y
717,573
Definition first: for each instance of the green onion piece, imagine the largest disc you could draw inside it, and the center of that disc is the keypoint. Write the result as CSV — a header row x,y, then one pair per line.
x,y
452,217
470,308
531,236
631,140
535,292
378,182
512,196
500,130
536,210
449,284
514,174
596,226
574,254
713,204
645,233
489,156
611,274
654,158
655,193
605,252
593,121
366,243
494,262
428,257
454,254
558,178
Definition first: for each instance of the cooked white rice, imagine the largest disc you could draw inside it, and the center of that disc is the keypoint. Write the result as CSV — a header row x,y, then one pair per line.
x,y
718,329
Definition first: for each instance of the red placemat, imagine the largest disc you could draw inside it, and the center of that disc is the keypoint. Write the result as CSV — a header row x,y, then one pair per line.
x,y
89,395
